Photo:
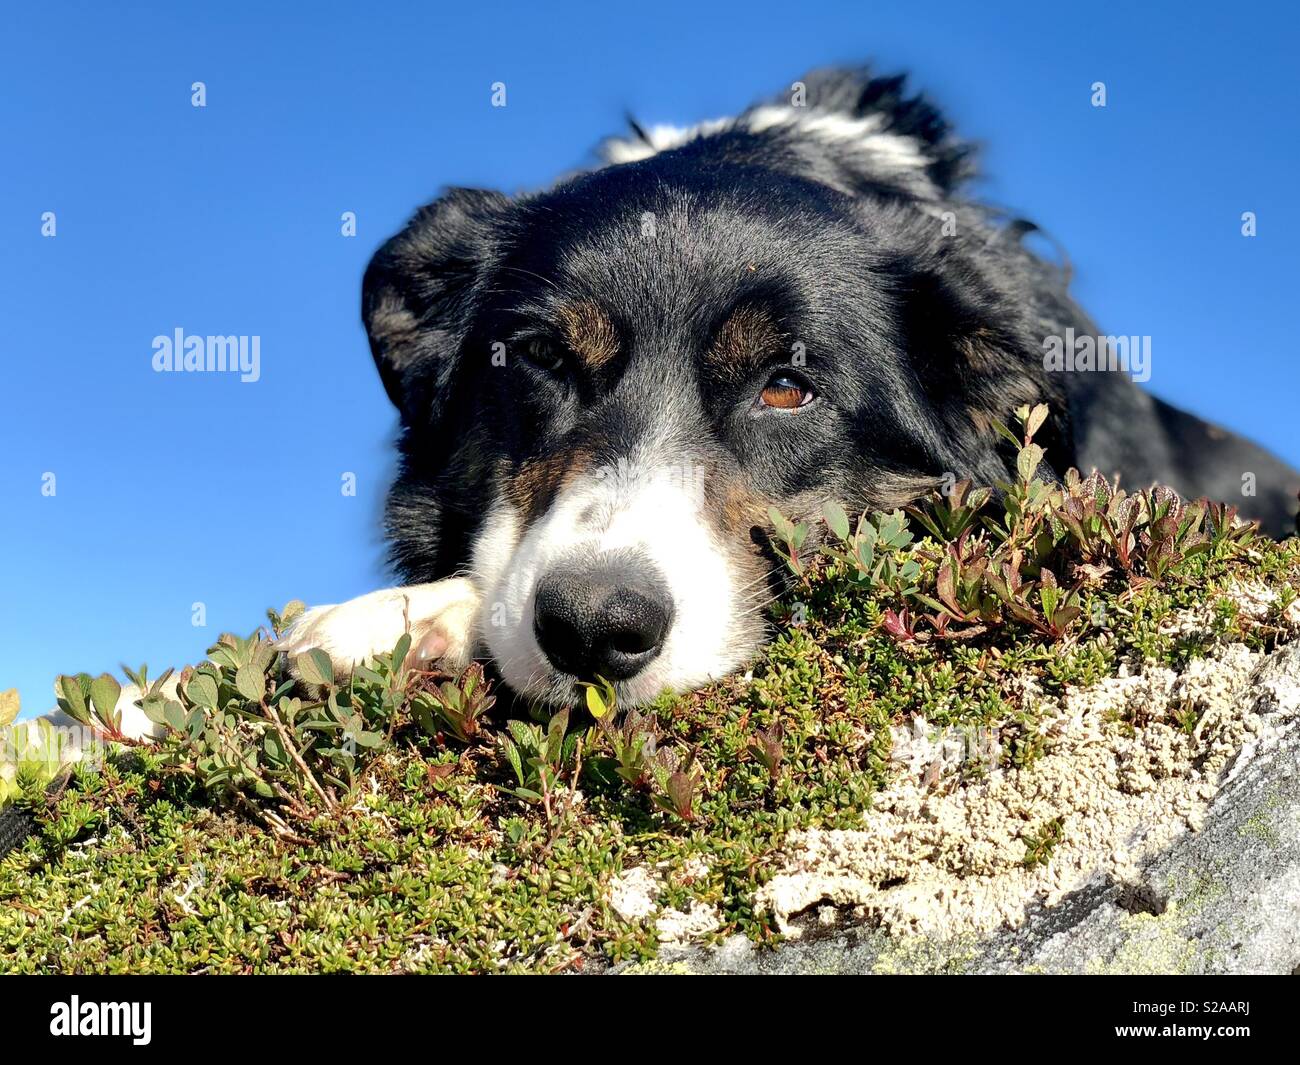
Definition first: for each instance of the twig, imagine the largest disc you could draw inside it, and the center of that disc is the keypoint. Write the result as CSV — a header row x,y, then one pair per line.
x,y
289,746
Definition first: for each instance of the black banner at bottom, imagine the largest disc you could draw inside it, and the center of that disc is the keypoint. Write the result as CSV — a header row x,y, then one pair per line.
x,y
147,1013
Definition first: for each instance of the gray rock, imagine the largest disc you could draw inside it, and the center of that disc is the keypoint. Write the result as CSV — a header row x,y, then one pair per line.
x,y
1225,899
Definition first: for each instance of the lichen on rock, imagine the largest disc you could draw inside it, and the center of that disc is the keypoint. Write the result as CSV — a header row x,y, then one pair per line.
x,y
949,863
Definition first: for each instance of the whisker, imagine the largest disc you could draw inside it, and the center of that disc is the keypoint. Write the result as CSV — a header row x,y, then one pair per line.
x,y
532,273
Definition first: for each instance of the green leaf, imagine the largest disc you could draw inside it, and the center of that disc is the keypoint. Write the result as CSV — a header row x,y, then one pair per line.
x,y
400,651
1004,432
104,693
596,703
933,604
1035,420
893,530
251,683
1028,460
928,523
516,762
174,715
315,667
263,654
156,686
783,526
555,731
836,520
866,551
202,691
222,656
526,793
154,707
72,692
1048,595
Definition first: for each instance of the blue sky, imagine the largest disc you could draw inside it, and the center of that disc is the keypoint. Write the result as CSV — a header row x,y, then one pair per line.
x,y
176,489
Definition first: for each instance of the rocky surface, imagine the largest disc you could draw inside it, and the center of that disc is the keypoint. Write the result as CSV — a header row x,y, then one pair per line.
x,y
1178,853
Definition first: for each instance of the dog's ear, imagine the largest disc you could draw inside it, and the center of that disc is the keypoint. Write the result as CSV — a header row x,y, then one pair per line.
x,y
974,352
418,294
873,134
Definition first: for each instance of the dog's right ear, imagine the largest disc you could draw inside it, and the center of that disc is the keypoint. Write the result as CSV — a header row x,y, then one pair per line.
x,y
418,296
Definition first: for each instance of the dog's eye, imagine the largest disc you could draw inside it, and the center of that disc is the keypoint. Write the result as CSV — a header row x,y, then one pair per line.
x,y
544,353
786,391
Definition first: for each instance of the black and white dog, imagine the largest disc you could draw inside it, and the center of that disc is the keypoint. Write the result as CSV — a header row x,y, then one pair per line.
x,y
604,387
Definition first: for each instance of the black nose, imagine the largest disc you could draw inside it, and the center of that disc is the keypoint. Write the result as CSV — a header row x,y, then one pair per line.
x,y
609,622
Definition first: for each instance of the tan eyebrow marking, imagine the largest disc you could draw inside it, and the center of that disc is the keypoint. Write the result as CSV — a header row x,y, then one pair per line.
x,y
744,337
589,332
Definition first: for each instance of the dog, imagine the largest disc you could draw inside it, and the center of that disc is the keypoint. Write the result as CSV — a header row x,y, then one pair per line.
x,y
604,387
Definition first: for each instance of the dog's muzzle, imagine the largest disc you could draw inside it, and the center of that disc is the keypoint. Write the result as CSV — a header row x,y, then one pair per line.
x,y
605,620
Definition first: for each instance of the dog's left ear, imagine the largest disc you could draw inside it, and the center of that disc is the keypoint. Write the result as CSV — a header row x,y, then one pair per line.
x,y
418,296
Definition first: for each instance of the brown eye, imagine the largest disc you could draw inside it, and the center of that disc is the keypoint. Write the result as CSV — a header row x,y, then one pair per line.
x,y
544,353
785,391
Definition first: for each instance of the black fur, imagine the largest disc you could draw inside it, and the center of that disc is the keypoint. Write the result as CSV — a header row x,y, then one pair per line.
x,y
914,338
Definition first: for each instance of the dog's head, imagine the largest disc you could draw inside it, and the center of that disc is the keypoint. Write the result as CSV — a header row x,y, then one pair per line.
x,y
605,387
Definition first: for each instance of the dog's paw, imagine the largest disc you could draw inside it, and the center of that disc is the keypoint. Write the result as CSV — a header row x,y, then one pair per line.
x,y
440,617
135,725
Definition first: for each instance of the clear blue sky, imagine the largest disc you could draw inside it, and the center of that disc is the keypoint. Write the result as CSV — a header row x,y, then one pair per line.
x,y
174,489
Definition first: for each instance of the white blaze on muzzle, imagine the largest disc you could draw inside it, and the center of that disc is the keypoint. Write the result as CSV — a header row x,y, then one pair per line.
x,y
653,512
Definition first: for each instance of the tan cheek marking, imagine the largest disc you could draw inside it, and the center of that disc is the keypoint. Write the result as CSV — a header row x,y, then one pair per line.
x,y
738,510
589,333
533,485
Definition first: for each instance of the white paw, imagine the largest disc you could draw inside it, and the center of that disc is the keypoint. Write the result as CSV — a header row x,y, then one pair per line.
x,y
135,725
439,616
